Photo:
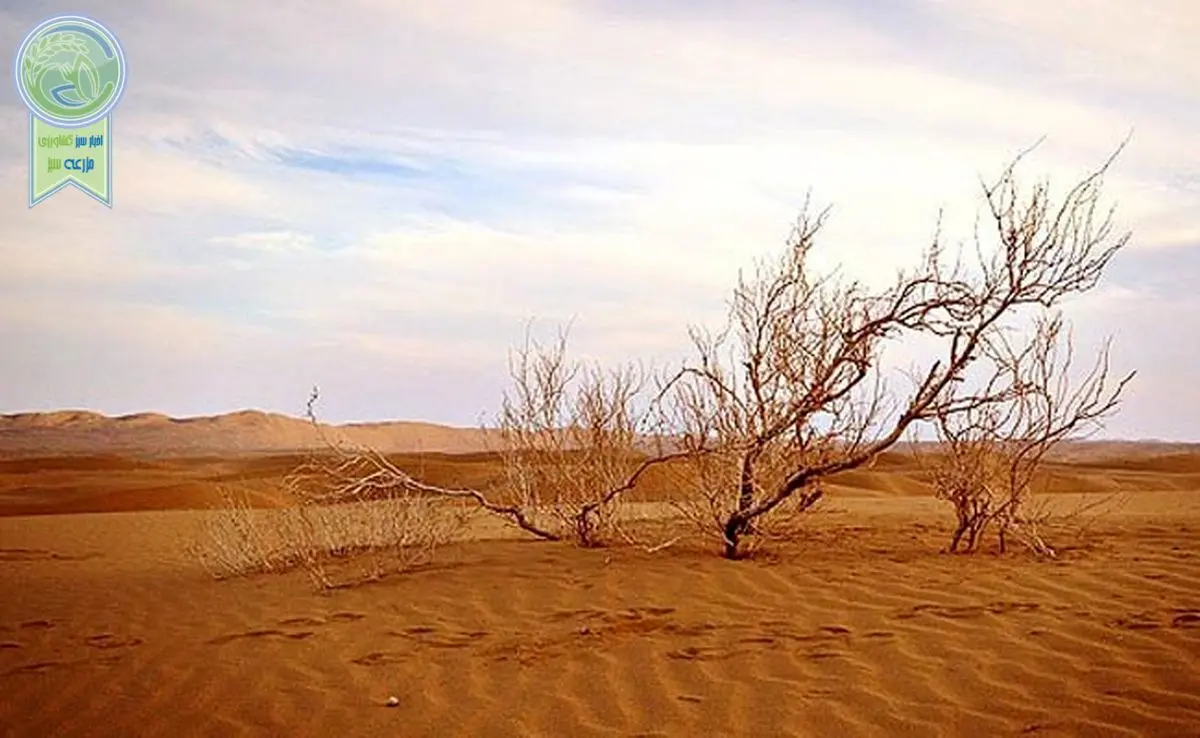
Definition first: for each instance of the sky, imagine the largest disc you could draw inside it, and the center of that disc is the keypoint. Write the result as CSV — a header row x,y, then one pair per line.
x,y
378,197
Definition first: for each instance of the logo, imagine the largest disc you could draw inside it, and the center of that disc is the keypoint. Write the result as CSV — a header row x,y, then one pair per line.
x,y
70,73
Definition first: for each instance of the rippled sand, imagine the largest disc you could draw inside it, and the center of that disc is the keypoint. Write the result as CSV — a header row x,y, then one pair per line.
x,y
860,628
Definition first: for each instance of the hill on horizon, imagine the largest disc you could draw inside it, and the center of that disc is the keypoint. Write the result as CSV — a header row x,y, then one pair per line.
x,y
84,432
75,432
81,461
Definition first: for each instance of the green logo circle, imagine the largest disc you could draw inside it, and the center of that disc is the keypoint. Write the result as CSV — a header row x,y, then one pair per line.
x,y
70,71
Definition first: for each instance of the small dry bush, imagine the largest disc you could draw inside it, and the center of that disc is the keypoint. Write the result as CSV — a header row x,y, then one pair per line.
x,y
992,452
336,544
1049,525
575,438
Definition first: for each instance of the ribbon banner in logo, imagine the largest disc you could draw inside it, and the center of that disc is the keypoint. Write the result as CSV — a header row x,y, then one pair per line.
x,y
70,72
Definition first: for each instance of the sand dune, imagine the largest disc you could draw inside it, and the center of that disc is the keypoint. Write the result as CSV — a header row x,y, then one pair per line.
x,y
81,432
79,461
248,431
113,482
860,628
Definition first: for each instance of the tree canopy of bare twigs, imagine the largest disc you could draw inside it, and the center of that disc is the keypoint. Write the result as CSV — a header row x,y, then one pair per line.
x,y
791,392
573,439
989,453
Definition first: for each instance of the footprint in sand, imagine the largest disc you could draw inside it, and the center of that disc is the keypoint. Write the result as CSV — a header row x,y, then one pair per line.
x,y
39,554
999,608
109,640
961,612
758,640
1145,620
632,613
700,653
314,621
37,625
379,658
1153,620
310,621
1138,625
267,633
294,635
25,554
36,668
1186,620
657,612
428,636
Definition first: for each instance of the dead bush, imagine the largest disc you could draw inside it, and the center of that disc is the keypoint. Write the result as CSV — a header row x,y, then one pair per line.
x,y
335,544
573,440
990,454
792,391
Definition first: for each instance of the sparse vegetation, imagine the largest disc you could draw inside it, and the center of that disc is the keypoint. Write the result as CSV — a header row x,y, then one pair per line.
x,y
792,392
573,439
335,544
990,454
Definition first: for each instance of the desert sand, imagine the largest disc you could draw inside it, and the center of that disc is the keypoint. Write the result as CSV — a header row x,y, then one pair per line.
x,y
109,626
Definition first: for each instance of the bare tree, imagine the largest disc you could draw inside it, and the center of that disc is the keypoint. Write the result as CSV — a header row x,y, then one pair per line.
x,y
990,453
353,474
573,439
792,391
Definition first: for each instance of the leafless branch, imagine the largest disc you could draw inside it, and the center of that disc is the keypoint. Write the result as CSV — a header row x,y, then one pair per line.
x,y
791,392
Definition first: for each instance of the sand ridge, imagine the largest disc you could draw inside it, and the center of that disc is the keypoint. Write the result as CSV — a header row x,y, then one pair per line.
x,y
858,628
127,482
82,432
85,432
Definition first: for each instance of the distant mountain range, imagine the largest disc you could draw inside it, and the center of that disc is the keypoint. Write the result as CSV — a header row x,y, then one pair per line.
x,y
82,432
76,432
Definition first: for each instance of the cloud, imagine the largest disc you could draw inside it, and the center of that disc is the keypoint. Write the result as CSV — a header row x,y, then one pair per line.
x,y
159,183
1143,45
379,195
268,242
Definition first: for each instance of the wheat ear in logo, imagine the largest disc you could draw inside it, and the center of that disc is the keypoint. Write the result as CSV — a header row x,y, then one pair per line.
x,y
70,72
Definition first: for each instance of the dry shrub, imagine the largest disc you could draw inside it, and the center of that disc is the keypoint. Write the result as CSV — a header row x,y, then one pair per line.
x,y
1054,524
792,392
708,505
336,544
575,438
991,452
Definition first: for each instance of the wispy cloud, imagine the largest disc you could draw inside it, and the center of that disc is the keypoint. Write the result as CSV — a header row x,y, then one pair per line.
x,y
269,242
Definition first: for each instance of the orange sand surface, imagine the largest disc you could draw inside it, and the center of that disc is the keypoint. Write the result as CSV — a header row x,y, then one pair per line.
x,y
859,627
